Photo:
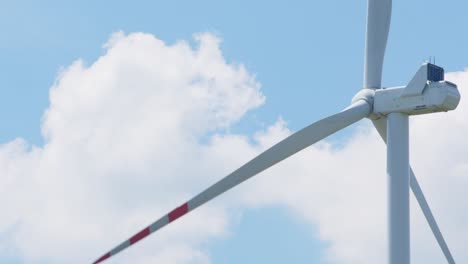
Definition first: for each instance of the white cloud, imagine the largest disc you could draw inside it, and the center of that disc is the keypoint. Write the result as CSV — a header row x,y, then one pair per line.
x,y
123,146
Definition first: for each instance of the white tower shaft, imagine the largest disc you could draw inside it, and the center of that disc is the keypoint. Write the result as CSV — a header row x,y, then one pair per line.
x,y
398,188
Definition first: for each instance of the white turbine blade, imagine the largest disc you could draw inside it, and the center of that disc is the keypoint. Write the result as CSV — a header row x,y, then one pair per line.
x,y
429,217
378,26
381,126
289,146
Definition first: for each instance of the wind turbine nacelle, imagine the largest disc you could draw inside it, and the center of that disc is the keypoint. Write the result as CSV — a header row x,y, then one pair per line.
x,y
426,93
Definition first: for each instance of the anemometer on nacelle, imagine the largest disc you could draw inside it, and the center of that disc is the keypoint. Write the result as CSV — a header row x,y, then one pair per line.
x,y
427,92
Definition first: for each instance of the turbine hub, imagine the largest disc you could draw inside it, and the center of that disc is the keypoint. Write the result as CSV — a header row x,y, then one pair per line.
x,y
366,94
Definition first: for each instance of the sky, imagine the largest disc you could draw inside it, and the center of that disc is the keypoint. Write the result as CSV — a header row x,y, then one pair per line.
x,y
104,129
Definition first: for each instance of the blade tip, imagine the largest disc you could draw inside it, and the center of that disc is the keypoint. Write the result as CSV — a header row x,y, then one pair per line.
x,y
101,259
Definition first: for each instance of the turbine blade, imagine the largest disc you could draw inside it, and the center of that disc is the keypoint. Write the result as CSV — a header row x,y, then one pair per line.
x,y
284,149
430,217
381,126
378,25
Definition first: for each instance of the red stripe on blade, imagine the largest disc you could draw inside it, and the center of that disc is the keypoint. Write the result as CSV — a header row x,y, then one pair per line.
x,y
142,234
106,256
178,212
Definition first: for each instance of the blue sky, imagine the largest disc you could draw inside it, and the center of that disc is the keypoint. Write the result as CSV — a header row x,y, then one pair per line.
x,y
308,56
295,48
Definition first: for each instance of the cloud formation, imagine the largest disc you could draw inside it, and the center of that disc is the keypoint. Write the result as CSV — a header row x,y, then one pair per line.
x,y
125,142
122,147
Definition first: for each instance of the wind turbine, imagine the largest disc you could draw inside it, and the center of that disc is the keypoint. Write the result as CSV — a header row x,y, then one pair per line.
x,y
388,108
